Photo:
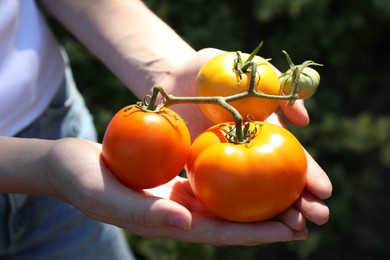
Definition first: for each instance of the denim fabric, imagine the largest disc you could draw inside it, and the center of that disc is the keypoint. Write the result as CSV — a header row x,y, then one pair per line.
x,y
40,227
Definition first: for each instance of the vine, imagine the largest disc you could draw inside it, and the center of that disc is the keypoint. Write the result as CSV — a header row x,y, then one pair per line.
x,y
241,131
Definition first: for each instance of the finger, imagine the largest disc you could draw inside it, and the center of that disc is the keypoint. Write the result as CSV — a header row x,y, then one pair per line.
x,y
132,209
214,231
313,208
293,218
208,53
318,182
275,119
296,114
154,212
301,234
151,213
182,193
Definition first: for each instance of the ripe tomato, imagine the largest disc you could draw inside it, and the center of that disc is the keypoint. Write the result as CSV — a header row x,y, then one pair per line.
x,y
145,149
247,182
218,77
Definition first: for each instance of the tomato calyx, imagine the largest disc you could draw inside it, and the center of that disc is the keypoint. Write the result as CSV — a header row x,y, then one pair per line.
x,y
249,131
299,81
151,106
240,67
149,102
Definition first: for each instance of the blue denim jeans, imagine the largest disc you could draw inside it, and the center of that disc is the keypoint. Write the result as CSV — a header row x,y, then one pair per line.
x,y
40,227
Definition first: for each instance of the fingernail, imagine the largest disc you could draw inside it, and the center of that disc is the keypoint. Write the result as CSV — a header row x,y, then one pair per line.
x,y
301,235
179,222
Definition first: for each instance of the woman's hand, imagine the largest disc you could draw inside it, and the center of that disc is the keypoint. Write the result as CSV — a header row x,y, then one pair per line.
x,y
318,185
169,211
181,83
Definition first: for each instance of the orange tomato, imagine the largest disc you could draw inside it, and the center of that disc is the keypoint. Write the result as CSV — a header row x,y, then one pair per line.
x,y
247,182
145,149
218,77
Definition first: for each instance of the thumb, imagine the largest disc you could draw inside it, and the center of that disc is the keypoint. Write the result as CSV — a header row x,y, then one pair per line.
x,y
111,202
149,212
207,54
296,114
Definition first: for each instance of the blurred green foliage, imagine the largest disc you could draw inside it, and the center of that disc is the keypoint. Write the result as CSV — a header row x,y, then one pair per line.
x,y
350,124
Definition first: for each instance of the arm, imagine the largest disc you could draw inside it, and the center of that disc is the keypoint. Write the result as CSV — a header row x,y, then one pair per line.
x,y
131,40
21,167
138,47
171,211
143,51
53,168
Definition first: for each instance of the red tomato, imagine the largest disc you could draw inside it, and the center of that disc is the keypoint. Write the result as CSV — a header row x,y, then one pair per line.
x,y
145,149
247,182
218,77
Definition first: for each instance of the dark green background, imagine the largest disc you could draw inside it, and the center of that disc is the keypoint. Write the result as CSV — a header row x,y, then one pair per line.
x,y
350,123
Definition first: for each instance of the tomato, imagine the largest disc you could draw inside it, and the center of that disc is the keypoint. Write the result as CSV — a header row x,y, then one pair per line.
x,y
247,182
145,149
218,77
308,83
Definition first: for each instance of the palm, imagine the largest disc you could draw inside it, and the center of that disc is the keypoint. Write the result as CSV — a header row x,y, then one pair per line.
x,y
179,190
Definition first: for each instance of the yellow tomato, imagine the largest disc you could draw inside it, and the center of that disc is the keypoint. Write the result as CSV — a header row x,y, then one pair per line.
x,y
218,77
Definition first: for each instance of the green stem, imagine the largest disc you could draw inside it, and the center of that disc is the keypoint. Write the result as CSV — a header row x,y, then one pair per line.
x,y
252,83
289,61
248,63
152,103
223,101
170,100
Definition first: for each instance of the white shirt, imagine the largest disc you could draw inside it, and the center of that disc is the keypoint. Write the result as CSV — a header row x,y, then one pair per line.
x,y
31,65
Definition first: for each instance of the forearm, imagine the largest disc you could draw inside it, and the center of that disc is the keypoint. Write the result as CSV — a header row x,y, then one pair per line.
x,y
22,167
131,40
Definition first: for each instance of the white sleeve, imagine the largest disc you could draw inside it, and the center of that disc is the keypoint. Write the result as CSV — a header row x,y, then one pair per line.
x,y
31,65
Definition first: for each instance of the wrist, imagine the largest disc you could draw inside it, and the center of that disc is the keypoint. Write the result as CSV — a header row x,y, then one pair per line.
x,y
165,69
22,165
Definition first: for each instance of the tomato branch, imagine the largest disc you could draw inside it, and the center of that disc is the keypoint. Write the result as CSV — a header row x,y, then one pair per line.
x,y
248,66
222,101
170,99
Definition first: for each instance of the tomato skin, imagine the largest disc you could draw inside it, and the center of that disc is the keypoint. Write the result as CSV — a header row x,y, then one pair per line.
x,y
247,182
309,81
145,149
219,78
